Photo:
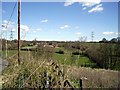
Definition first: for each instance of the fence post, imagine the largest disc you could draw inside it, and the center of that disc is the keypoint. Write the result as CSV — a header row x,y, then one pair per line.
x,y
80,82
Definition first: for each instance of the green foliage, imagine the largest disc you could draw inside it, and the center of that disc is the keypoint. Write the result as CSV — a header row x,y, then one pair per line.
x,y
105,55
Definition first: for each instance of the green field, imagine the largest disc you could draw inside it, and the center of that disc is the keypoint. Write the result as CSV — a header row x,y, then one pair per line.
x,y
66,58
14,53
69,59
76,60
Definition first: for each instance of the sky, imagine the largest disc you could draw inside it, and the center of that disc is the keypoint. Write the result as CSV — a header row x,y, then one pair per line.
x,y
62,21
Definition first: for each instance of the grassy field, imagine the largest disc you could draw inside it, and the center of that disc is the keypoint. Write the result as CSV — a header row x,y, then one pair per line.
x,y
66,58
76,60
13,54
69,59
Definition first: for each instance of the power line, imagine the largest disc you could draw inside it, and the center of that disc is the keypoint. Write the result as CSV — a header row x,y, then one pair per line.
x,y
8,24
11,14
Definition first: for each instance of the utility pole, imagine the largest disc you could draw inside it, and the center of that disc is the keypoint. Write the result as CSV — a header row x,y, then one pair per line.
x,y
19,32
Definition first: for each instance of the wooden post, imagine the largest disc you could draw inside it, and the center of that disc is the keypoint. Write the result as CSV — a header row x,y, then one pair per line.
x,y
19,32
80,82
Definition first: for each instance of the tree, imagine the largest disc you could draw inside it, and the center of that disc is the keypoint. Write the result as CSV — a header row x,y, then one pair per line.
x,y
118,38
104,40
113,40
83,39
34,41
15,41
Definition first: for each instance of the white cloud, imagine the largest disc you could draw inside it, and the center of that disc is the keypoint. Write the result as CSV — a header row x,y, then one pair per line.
x,y
13,29
64,27
44,21
78,33
70,2
108,33
61,27
24,28
90,3
117,33
38,29
11,26
97,8
34,31
5,21
86,4
84,8
7,25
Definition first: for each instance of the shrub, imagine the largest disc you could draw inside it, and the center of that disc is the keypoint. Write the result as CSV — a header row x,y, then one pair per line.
x,y
76,53
36,74
60,52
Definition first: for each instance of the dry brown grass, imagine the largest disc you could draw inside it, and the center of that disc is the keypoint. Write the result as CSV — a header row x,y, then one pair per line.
x,y
95,77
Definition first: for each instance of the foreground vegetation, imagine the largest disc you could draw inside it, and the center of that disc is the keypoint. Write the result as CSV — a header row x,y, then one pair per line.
x,y
63,66
43,74
35,74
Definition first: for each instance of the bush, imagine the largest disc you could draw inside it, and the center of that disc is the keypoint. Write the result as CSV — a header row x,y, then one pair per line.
x,y
36,74
60,52
46,52
76,53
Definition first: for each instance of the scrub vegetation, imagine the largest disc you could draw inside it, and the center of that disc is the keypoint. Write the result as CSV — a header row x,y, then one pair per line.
x,y
62,65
